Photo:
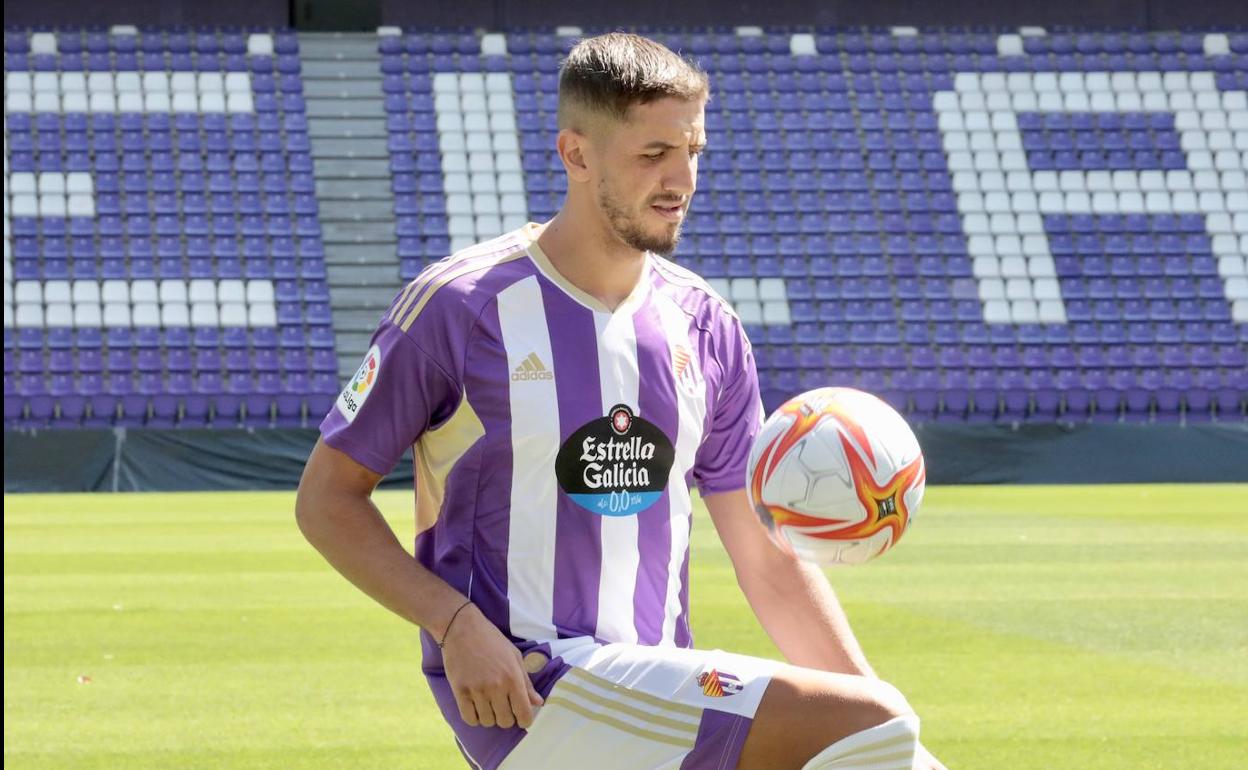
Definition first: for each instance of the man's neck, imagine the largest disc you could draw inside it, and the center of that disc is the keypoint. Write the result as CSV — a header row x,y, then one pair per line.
x,y
592,260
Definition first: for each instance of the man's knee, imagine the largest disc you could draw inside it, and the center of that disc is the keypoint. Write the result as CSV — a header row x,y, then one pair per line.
x,y
804,712
892,745
887,701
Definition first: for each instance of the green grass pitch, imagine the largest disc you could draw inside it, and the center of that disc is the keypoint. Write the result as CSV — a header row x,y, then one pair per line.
x,y
1031,627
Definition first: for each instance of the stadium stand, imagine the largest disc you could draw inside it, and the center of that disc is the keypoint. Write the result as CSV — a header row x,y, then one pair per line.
x,y
975,226
163,259
979,227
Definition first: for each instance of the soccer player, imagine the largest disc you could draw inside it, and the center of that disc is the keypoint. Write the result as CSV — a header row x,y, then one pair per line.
x,y
562,386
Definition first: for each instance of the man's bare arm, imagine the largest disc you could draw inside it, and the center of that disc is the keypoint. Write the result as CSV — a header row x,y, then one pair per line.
x,y
792,600
335,512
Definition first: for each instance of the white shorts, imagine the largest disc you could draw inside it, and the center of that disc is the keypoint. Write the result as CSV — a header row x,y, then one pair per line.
x,y
627,707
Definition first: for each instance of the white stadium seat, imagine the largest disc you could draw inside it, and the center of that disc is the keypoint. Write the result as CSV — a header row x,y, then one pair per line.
x,y
29,316
205,314
1052,312
458,204
127,82
1041,267
172,290
446,101
489,225
146,314
28,293
261,315
259,292
260,44
514,203
1232,266
1024,311
15,82
144,290
500,102
749,312
1046,289
156,102
1237,288
1018,288
776,313
202,290
130,101
87,316
103,103
155,81
460,226
174,314
485,203
743,289
116,315
986,267
17,101
471,82
43,43
238,83
75,102
86,292
100,83
997,311
211,81
455,183
772,290
445,82
231,290
233,314
57,292
212,101
991,289
235,102
59,315
73,82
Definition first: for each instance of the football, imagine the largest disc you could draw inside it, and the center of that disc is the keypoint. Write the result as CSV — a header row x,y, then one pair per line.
x,y
836,475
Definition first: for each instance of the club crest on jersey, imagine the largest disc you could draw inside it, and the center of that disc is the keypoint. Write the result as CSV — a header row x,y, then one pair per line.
x,y
685,369
718,684
353,395
616,465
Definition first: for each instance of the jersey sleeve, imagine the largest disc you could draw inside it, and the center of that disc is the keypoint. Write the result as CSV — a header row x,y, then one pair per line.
x,y
396,394
735,420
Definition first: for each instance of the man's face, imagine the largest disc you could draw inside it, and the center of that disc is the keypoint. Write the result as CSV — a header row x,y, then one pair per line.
x,y
647,172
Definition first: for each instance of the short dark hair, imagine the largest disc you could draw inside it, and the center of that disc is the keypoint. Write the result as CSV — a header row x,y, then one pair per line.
x,y
610,73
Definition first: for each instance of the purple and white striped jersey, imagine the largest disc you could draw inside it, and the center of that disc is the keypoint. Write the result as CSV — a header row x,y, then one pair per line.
x,y
555,442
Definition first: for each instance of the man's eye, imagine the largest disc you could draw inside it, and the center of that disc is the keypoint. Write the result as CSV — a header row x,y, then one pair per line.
x,y
653,156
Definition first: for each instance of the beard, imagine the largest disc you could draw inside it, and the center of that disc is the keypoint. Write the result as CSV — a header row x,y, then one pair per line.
x,y
631,230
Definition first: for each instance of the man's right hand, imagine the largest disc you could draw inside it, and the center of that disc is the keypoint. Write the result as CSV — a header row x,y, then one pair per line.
x,y
486,674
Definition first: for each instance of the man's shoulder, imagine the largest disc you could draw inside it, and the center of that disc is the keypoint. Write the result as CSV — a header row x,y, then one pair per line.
x,y
692,293
458,287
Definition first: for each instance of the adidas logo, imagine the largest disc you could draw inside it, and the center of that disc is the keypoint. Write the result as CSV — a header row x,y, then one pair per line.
x,y
532,368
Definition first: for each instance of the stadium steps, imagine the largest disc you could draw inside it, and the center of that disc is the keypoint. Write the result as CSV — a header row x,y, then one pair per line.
x,y
346,124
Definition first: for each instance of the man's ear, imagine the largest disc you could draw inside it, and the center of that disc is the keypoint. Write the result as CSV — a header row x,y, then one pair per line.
x,y
574,151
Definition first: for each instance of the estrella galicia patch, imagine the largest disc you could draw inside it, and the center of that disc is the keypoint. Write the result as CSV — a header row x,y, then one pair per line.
x,y
615,465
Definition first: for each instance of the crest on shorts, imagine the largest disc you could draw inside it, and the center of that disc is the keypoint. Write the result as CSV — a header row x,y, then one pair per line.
x,y
718,684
